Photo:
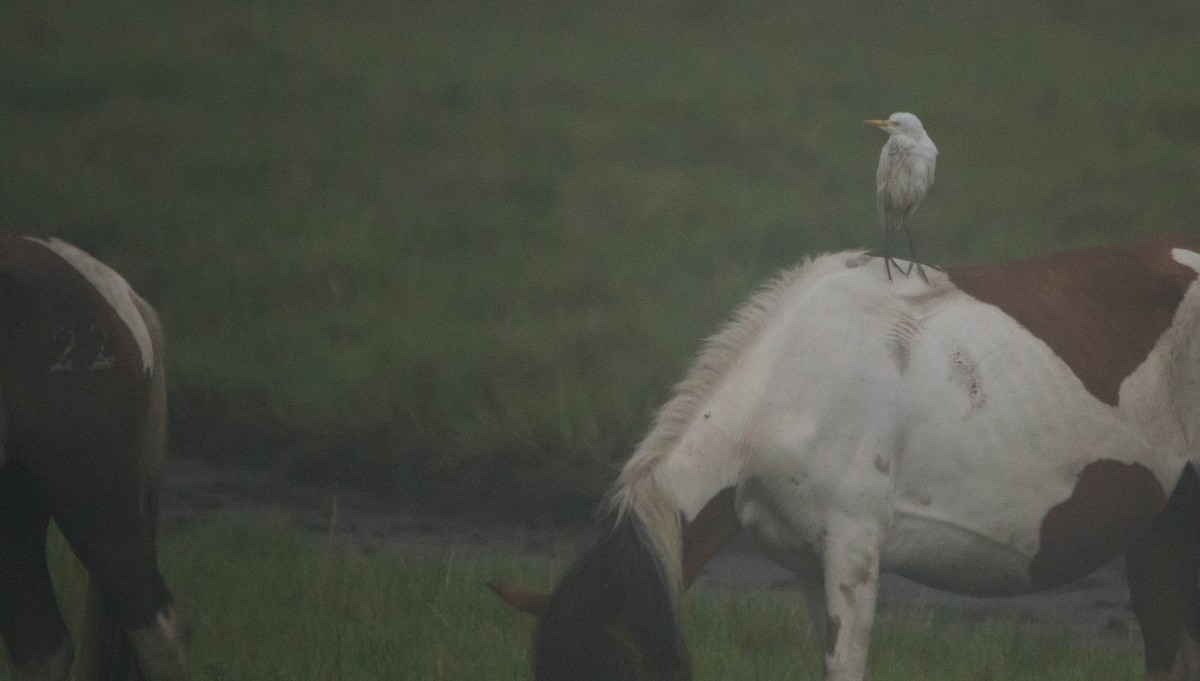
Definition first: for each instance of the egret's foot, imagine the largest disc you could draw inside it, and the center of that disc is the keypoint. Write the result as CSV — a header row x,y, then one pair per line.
x,y
890,262
920,271
918,266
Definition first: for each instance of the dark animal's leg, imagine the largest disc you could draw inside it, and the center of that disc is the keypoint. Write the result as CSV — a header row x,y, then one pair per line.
x,y
39,646
99,510
1163,567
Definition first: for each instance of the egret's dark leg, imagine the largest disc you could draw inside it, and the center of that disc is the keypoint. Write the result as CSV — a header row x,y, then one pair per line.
x,y
887,245
888,261
912,254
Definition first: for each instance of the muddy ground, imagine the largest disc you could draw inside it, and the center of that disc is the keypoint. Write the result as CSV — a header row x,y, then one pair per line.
x,y
1095,608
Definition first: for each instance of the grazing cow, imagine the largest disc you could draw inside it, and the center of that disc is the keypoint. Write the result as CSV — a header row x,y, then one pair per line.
x,y
82,440
1001,430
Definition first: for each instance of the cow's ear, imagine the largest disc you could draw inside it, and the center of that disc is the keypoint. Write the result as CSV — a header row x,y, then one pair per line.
x,y
531,602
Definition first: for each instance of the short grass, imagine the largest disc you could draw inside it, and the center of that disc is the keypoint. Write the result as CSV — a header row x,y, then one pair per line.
x,y
270,603
460,247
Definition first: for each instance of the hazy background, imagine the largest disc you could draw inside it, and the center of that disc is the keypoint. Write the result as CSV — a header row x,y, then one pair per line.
x,y
460,251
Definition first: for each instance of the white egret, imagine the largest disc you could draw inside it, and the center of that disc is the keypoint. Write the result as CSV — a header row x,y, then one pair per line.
x,y
904,176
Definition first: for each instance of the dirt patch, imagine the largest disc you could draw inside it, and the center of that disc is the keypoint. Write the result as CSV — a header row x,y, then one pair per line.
x,y
1095,608
194,490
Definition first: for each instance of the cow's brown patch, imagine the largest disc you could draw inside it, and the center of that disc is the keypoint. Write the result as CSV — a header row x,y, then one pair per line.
x,y
883,464
1112,504
964,369
847,593
861,575
833,627
1101,310
714,525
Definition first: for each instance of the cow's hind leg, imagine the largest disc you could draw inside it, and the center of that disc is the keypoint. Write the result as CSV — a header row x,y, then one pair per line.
x,y
1163,569
39,646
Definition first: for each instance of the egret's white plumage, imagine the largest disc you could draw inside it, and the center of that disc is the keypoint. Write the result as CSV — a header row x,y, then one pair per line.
x,y
904,176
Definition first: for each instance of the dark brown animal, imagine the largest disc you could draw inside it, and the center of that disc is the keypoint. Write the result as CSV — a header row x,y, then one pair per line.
x,y
82,441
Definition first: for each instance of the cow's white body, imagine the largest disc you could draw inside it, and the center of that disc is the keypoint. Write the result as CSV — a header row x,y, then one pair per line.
x,y
913,429
998,430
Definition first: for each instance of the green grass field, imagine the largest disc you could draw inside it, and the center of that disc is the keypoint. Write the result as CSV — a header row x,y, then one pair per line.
x,y
436,244
268,602
461,250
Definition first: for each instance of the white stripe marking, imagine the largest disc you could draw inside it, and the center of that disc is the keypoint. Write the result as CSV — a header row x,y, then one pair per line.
x,y
1187,258
113,287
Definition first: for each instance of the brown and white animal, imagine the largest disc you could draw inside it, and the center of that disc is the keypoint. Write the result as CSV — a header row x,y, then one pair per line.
x,y
1002,430
82,441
